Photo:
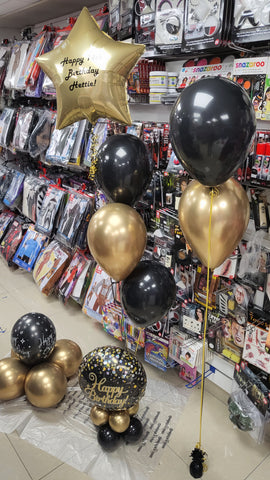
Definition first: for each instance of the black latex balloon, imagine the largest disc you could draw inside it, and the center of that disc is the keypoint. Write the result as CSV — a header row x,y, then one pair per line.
x,y
148,292
33,337
124,169
107,438
134,431
212,125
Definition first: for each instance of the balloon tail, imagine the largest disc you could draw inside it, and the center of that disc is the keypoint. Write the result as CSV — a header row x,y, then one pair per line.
x,y
197,454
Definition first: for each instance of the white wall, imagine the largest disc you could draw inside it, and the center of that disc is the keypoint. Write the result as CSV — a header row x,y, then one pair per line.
x,y
10,33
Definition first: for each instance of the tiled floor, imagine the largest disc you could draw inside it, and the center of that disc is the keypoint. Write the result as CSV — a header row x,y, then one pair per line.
x,y
232,454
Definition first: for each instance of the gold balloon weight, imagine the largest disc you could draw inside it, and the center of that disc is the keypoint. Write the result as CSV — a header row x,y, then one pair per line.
x,y
89,71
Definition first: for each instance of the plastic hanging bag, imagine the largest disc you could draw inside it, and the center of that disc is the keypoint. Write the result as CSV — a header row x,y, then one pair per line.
x,y
40,137
47,215
34,191
13,196
29,249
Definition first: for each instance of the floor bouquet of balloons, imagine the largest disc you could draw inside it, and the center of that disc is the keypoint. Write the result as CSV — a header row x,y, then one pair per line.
x,y
114,381
39,366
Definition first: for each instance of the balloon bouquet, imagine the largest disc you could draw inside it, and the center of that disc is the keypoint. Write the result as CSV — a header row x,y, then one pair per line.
x,y
39,365
89,71
212,127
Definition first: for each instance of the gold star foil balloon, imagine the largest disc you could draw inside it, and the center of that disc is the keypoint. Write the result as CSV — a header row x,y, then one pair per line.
x,y
89,71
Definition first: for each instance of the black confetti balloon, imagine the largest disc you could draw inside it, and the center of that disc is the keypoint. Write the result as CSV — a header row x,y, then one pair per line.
x,y
112,378
33,337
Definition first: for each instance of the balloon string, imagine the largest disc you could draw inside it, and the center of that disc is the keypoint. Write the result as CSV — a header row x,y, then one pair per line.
x,y
212,194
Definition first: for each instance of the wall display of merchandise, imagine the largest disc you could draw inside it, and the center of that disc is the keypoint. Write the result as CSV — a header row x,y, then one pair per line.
x,y
45,213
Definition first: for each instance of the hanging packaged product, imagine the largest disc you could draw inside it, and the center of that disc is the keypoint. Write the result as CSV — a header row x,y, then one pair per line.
x,y
29,249
7,124
47,215
50,265
251,22
71,275
206,24
169,26
251,74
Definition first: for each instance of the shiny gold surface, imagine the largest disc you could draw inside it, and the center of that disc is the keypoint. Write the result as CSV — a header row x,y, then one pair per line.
x,y
99,416
134,409
67,355
119,421
45,385
230,216
12,377
117,237
89,71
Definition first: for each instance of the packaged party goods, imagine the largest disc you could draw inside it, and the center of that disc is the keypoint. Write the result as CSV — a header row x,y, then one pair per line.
x,y
40,137
169,25
251,74
61,145
156,350
12,239
126,19
192,318
50,265
254,348
51,204
5,219
113,320
72,217
114,18
251,21
26,122
177,338
29,249
99,293
71,275
97,136
134,336
190,74
187,373
83,281
145,23
205,23
253,386
200,287
34,191
230,337
17,58
7,125
13,196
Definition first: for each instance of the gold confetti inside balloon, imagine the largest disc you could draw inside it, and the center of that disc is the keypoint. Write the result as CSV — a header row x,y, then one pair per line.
x,y
67,355
99,416
89,71
45,385
119,421
12,377
112,378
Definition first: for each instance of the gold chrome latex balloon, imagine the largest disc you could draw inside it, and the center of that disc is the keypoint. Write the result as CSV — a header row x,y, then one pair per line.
x,y
134,409
99,416
230,216
119,421
45,385
67,355
89,71
117,237
12,377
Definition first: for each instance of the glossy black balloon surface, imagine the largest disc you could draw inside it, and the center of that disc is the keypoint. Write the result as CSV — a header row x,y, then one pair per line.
x,y
212,125
107,438
134,431
124,169
148,293
33,337
196,469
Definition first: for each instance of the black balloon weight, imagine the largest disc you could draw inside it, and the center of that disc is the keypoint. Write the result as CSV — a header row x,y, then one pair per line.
x,y
107,438
134,431
33,337
196,469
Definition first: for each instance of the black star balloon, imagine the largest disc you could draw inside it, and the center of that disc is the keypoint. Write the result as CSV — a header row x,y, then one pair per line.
x,y
33,337
89,71
112,378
